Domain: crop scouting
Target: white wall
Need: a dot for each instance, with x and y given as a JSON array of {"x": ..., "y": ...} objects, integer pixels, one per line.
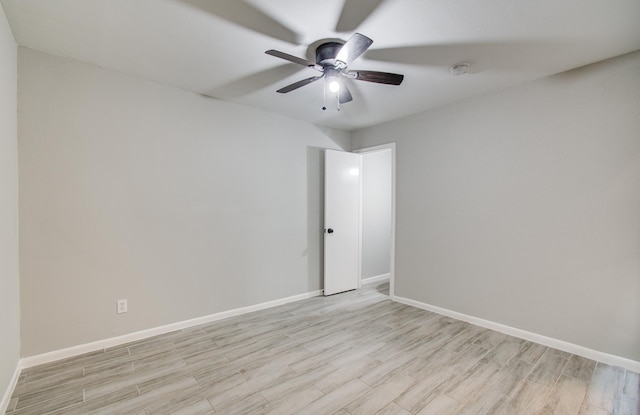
[
  {"x": 184, "y": 205},
  {"x": 9, "y": 282},
  {"x": 523, "y": 206},
  {"x": 376, "y": 214}
]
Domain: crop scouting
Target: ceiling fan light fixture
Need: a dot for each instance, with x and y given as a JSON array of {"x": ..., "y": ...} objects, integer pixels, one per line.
[{"x": 333, "y": 60}]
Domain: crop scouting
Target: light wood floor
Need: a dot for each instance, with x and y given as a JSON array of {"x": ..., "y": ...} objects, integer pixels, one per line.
[{"x": 352, "y": 353}]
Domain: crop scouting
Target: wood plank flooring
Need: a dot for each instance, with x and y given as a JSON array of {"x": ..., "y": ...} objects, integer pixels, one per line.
[{"x": 349, "y": 354}]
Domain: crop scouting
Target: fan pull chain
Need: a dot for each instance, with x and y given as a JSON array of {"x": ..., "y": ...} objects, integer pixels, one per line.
[
  {"x": 339, "y": 107},
  {"x": 324, "y": 95}
]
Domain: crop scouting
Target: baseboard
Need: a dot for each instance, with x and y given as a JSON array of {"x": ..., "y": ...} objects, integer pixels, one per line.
[
  {"x": 139, "y": 335},
  {"x": 596, "y": 355},
  {"x": 377, "y": 278},
  {"x": 4, "y": 403}
]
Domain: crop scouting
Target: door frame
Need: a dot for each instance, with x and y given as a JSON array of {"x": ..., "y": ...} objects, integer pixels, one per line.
[{"x": 392, "y": 254}]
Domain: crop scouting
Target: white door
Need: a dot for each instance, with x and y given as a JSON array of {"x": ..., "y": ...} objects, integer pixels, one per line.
[{"x": 341, "y": 221}]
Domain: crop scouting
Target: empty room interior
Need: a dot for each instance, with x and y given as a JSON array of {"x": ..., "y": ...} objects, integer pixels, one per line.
[{"x": 320, "y": 207}]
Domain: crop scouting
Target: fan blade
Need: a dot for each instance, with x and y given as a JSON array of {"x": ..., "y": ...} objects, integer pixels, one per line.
[
  {"x": 354, "y": 12},
  {"x": 294, "y": 59},
  {"x": 378, "y": 77},
  {"x": 298, "y": 84},
  {"x": 250, "y": 17},
  {"x": 344, "y": 95},
  {"x": 352, "y": 49}
]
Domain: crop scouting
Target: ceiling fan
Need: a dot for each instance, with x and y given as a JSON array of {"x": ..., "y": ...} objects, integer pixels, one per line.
[{"x": 332, "y": 61}]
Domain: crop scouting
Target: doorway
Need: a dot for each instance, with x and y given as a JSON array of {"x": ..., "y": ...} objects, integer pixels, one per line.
[{"x": 377, "y": 218}]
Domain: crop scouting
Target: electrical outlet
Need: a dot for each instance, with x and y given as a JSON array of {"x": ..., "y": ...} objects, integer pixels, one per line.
[{"x": 121, "y": 306}]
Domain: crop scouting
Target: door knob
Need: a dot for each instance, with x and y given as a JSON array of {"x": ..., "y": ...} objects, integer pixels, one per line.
[{"x": 329, "y": 230}]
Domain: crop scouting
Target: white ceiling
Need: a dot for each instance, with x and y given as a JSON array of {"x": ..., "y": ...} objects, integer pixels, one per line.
[{"x": 216, "y": 47}]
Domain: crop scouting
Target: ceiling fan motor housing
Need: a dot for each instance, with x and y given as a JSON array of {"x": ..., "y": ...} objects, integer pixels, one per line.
[{"x": 327, "y": 52}]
